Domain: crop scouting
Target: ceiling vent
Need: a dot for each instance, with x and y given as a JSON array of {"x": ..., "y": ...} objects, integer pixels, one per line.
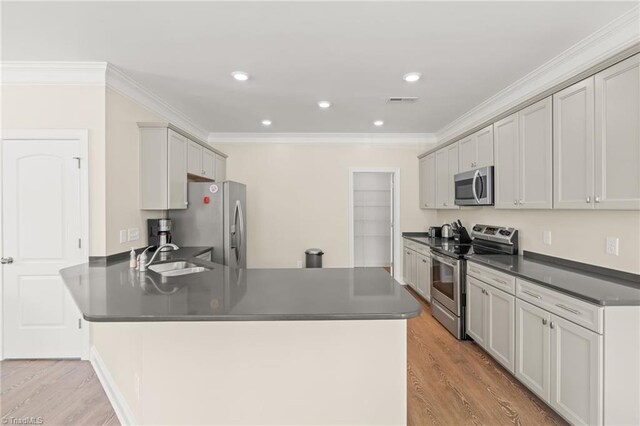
[{"x": 401, "y": 100}]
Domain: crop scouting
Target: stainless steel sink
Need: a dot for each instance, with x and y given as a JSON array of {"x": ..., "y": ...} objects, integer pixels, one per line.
[{"x": 174, "y": 269}]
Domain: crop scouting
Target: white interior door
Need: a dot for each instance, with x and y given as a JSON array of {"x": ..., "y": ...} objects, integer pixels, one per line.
[{"x": 41, "y": 229}]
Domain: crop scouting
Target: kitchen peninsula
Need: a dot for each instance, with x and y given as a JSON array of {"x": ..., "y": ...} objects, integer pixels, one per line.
[{"x": 247, "y": 346}]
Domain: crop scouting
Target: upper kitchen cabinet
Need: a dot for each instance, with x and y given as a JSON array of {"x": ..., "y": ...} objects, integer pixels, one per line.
[
  {"x": 573, "y": 132},
  {"x": 168, "y": 158},
  {"x": 427, "y": 184},
  {"x": 446, "y": 167},
  {"x": 523, "y": 153},
  {"x": 221, "y": 168},
  {"x": 163, "y": 169},
  {"x": 617, "y": 136},
  {"x": 597, "y": 140},
  {"x": 476, "y": 150}
]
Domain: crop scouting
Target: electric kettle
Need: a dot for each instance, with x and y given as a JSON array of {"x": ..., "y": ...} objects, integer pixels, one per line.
[{"x": 447, "y": 231}]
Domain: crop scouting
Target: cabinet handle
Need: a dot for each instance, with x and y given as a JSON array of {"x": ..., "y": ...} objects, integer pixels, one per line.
[
  {"x": 566, "y": 308},
  {"x": 444, "y": 204},
  {"x": 552, "y": 325},
  {"x": 500, "y": 281},
  {"x": 515, "y": 202},
  {"x": 520, "y": 202},
  {"x": 482, "y": 290},
  {"x": 544, "y": 321},
  {"x": 531, "y": 294},
  {"x": 588, "y": 199},
  {"x": 424, "y": 261},
  {"x": 597, "y": 199}
]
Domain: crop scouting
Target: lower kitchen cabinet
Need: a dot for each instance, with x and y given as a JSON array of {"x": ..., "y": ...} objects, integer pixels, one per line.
[
  {"x": 561, "y": 362},
  {"x": 533, "y": 340},
  {"x": 423, "y": 276},
  {"x": 409, "y": 266},
  {"x": 491, "y": 319},
  {"x": 576, "y": 372}
]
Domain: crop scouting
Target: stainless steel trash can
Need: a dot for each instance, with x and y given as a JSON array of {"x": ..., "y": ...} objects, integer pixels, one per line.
[{"x": 313, "y": 258}]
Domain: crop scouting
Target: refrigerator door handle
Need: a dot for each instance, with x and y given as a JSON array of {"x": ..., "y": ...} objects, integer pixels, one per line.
[{"x": 237, "y": 231}]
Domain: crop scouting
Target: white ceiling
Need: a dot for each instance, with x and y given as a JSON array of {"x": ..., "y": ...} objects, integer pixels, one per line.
[{"x": 351, "y": 53}]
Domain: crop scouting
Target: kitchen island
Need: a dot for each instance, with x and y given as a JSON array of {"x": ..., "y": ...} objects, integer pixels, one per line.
[{"x": 247, "y": 346}]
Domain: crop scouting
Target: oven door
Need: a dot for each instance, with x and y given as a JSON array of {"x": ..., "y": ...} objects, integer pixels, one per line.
[
  {"x": 474, "y": 188},
  {"x": 445, "y": 282}
]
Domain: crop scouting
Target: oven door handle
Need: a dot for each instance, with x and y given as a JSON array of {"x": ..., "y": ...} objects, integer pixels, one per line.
[
  {"x": 443, "y": 260},
  {"x": 476, "y": 175}
]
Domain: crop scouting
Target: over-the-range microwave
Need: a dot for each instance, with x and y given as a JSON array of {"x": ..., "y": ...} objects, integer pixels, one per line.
[{"x": 475, "y": 187}]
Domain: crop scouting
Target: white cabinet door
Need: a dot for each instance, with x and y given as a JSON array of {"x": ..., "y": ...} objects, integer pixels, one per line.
[
  {"x": 535, "y": 150},
  {"x": 484, "y": 147},
  {"x": 452, "y": 170},
  {"x": 573, "y": 133},
  {"x": 500, "y": 326},
  {"x": 194, "y": 158},
  {"x": 413, "y": 270},
  {"x": 576, "y": 372},
  {"x": 617, "y": 136},
  {"x": 430, "y": 182},
  {"x": 442, "y": 178},
  {"x": 506, "y": 151},
  {"x": 468, "y": 153},
  {"x": 208, "y": 164},
  {"x": 221, "y": 168},
  {"x": 423, "y": 285},
  {"x": 406, "y": 265},
  {"x": 422, "y": 182},
  {"x": 476, "y": 310},
  {"x": 177, "y": 171},
  {"x": 533, "y": 350}
]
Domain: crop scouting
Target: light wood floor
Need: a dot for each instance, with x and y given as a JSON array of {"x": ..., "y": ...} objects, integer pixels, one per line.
[
  {"x": 61, "y": 392},
  {"x": 450, "y": 382}
]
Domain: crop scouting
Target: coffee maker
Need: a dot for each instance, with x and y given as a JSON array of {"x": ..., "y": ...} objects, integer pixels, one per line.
[{"x": 159, "y": 231}]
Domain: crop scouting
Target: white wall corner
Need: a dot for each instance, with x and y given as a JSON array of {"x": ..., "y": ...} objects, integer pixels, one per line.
[
  {"x": 117, "y": 80},
  {"x": 378, "y": 139},
  {"x": 116, "y": 398},
  {"x": 615, "y": 37},
  {"x": 23, "y": 73}
]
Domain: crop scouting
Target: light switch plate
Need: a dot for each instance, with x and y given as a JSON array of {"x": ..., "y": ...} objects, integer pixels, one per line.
[
  {"x": 613, "y": 246},
  {"x": 134, "y": 234},
  {"x": 123, "y": 236},
  {"x": 546, "y": 237}
]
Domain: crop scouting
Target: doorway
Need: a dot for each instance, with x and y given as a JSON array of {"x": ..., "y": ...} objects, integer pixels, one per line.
[
  {"x": 44, "y": 229},
  {"x": 373, "y": 220}
]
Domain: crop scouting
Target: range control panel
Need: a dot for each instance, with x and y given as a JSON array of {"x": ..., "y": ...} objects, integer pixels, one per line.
[{"x": 495, "y": 233}]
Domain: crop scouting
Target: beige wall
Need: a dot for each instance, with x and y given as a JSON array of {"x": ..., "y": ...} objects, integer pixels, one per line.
[
  {"x": 298, "y": 196},
  {"x": 575, "y": 234},
  {"x": 122, "y": 171},
  {"x": 66, "y": 107}
]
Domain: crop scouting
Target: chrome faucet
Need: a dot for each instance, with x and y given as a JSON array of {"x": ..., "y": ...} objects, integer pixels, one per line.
[{"x": 142, "y": 257}]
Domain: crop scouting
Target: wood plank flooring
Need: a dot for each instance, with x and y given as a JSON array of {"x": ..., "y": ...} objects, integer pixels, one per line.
[
  {"x": 60, "y": 392},
  {"x": 452, "y": 382}
]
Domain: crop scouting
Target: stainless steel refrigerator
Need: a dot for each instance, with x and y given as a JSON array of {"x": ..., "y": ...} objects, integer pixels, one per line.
[{"x": 215, "y": 217}]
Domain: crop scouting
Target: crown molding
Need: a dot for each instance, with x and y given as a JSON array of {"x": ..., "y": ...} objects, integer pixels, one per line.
[
  {"x": 117, "y": 80},
  {"x": 23, "y": 73},
  {"x": 386, "y": 139},
  {"x": 619, "y": 35}
]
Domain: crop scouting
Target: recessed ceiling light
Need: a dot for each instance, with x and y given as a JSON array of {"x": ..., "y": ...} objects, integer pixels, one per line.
[
  {"x": 378, "y": 123},
  {"x": 266, "y": 122},
  {"x": 324, "y": 104},
  {"x": 412, "y": 77},
  {"x": 240, "y": 75}
]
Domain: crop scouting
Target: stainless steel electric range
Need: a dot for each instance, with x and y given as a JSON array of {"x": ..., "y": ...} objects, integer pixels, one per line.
[{"x": 448, "y": 272}]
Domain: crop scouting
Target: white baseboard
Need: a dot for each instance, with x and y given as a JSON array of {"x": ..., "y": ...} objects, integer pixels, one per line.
[{"x": 118, "y": 402}]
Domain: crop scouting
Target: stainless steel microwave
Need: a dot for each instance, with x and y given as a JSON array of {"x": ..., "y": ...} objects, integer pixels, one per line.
[{"x": 475, "y": 187}]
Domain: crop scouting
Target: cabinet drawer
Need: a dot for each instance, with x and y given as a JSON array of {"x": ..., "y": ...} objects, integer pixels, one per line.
[
  {"x": 423, "y": 250},
  {"x": 411, "y": 245},
  {"x": 582, "y": 313},
  {"x": 497, "y": 279}
]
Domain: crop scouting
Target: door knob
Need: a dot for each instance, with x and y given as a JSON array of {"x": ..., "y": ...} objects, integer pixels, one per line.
[{"x": 6, "y": 260}]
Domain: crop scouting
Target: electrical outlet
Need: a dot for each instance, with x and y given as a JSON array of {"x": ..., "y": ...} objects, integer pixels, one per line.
[
  {"x": 613, "y": 246},
  {"x": 123, "y": 236},
  {"x": 299, "y": 263},
  {"x": 134, "y": 234},
  {"x": 546, "y": 237},
  {"x": 136, "y": 380}
]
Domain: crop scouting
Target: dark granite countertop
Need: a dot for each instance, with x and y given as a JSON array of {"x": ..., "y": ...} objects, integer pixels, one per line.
[
  {"x": 588, "y": 285},
  {"x": 585, "y": 285},
  {"x": 116, "y": 293}
]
